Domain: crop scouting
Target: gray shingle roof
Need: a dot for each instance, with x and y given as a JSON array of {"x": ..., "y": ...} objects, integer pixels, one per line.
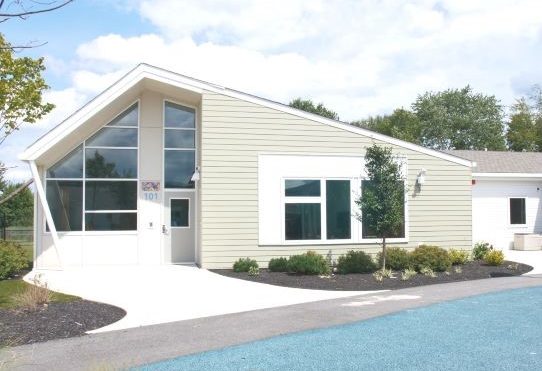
[{"x": 502, "y": 162}]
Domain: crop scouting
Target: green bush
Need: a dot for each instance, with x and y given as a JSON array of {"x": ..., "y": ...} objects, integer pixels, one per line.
[
  {"x": 396, "y": 259},
  {"x": 480, "y": 249},
  {"x": 356, "y": 262},
  {"x": 458, "y": 257},
  {"x": 244, "y": 265},
  {"x": 278, "y": 265},
  {"x": 308, "y": 263},
  {"x": 433, "y": 257},
  {"x": 494, "y": 257},
  {"x": 12, "y": 259}
]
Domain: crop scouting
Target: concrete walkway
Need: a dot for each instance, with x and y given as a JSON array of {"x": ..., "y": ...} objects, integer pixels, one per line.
[
  {"x": 126, "y": 348},
  {"x": 532, "y": 258},
  {"x": 169, "y": 293}
]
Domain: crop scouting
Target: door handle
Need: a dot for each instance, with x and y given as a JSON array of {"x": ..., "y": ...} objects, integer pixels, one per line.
[{"x": 164, "y": 229}]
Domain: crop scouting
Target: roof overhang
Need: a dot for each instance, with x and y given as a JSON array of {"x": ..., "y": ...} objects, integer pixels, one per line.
[
  {"x": 145, "y": 71},
  {"x": 508, "y": 176}
]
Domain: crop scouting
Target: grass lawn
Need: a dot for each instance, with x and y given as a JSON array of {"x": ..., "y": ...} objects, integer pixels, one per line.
[{"x": 8, "y": 288}]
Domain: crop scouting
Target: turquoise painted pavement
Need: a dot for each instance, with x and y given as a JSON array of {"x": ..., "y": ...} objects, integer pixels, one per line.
[{"x": 501, "y": 331}]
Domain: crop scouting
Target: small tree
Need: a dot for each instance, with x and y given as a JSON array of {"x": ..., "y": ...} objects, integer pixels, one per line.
[{"x": 382, "y": 198}]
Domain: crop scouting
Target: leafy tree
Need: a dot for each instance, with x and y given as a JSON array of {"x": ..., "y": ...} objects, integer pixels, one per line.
[
  {"x": 308, "y": 106},
  {"x": 382, "y": 202},
  {"x": 525, "y": 125},
  {"x": 402, "y": 124},
  {"x": 19, "y": 210},
  {"x": 460, "y": 119},
  {"x": 21, "y": 89}
]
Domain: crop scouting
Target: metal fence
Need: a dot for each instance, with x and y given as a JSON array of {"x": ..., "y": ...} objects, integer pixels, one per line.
[{"x": 19, "y": 234}]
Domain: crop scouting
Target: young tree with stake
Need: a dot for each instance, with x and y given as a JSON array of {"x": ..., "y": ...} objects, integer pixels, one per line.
[{"x": 382, "y": 199}]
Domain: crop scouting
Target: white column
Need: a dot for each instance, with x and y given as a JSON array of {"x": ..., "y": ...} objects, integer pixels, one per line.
[{"x": 48, "y": 216}]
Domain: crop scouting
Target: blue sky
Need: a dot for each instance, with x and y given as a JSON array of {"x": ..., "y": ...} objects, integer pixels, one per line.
[{"x": 359, "y": 57}]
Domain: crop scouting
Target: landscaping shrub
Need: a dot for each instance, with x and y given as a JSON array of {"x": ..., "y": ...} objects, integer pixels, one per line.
[
  {"x": 254, "y": 271},
  {"x": 12, "y": 259},
  {"x": 408, "y": 273},
  {"x": 33, "y": 296},
  {"x": 426, "y": 271},
  {"x": 494, "y": 257},
  {"x": 433, "y": 257},
  {"x": 308, "y": 263},
  {"x": 458, "y": 256},
  {"x": 356, "y": 262},
  {"x": 396, "y": 258},
  {"x": 480, "y": 249},
  {"x": 244, "y": 265},
  {"x": 278, "y": 265}
]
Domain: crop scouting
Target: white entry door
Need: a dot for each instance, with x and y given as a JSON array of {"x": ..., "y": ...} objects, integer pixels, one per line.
[{"x": 179, "y": 227}]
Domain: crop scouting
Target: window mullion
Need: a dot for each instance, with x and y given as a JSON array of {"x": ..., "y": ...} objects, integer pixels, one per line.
[{"x": 323, "y": 209}]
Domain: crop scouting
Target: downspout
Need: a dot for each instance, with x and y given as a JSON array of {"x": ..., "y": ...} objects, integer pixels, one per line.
[{"x": 46, "y": 210}]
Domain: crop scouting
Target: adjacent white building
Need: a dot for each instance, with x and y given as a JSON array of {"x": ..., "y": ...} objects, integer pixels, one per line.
[{"x": 506, "y": 195}]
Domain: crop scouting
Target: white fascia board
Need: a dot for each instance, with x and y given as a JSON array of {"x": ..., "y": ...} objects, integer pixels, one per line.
[
  {"x": 158, "y": 74},
  {"x": 508, "y": 175}
]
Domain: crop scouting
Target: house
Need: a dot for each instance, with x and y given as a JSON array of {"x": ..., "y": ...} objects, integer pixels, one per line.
[
  {"x": 161, "y": 168},
  {"x": 506, "y": 195}
]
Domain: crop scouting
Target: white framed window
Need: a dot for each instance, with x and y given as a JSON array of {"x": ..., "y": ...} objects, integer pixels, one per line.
[
  {"x": 94, "y": 187},
  {"x": 517, "y": 211}
]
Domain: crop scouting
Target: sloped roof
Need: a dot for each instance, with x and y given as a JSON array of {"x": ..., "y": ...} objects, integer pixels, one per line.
[
  {"x": 503, "y": 162},
  {"x": 146, "y": 71}
]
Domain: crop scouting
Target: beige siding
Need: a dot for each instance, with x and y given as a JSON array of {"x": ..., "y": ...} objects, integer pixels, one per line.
[{"x": 234, "y": 132}]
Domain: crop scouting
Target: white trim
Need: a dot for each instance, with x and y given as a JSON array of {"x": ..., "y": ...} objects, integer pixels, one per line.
[
  {"x": 507, "y": 175},
  {"x": 45, "y": 206},
  {"x": 145, "y": 71}
]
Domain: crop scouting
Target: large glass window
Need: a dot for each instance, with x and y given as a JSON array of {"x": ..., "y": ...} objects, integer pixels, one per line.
[
  {"x": 109, "y": 203},
  {"x": 338, "y": 218},
  {"x": 303, "y": 209},
  {"x": 368, "y": 231},
  {"x": 517, "y": 211}
]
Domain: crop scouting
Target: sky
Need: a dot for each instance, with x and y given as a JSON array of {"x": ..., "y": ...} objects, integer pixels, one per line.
[{"x": 358, "y": 57}]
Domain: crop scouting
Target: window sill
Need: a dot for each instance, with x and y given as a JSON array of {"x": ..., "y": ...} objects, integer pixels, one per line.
[{"x": 334, "y": 242}]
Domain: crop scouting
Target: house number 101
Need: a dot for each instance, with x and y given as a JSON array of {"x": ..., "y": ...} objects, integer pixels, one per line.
[{"x": 151, "y": 196}]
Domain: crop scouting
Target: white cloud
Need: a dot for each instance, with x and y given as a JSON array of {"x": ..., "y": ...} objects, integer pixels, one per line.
[{"x": 358, "y": 57}]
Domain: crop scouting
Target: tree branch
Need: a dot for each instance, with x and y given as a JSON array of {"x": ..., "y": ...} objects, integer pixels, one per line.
[
  {"x": 17, "y": 191},
  {"x": 31, "y": 12}
]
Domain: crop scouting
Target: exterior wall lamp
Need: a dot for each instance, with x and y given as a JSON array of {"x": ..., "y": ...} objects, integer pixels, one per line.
[
  {"x": 420, "y": 179},
  {"x": 195, "y": 176}
]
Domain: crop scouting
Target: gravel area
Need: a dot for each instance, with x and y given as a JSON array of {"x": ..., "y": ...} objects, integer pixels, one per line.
[
  {"x": 363, "y": 282},
  {"x": 55, "y": 321}
]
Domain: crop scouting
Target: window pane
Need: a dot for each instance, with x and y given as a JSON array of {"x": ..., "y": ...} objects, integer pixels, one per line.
[
  {"x": 176, "y": 116},
  {"x": 111, "y": 163},
  {"x": 179, "y": 168},
  {"x": 300, "y": 187},
  {"x": 127, "y": 118},
  {"x": 179, "y": 212},
  {"x": 368, "y": 231},
  {"x": 111, "y": 195},
  {"x": 71, "y": 166},
  {"x": 517, "y": 211},
  {"x": 338, "y": 209},
  {"x": 65, "y": 199},
  {"x": 303, "y": 222},
  {"x": 180, "y": 138},
  {"x": 113, "y": 137},
  {"x": 111, "y": 221}
]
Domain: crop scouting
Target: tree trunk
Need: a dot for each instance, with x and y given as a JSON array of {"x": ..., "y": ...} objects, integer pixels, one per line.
[{"x": 383, "y": 253}]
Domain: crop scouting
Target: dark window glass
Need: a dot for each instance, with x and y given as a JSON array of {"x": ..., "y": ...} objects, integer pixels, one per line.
[
  {"x": 111, "y": 163},
  {"x": 338, "y": 209},
  {"x": 113, "y": 137},
  {"x": 111, "y": 221},
  {"x": 301, "y": 187},
  {"x": 367, "y": 230},
  {"x": 303, "y": 222},
  {"x": 176, "y": 116},
  {"x": 179, "y": 168},
  {"x": 517, "y": 211},
  {"x": 179, "y": 212},
  {"x": 180, "y": 138},
  {"x": 71, "y": 166},
  {"x": 127, "y": 118},
  {"x": 110, "y": 195},
  {"x": 65, "y": 199}
]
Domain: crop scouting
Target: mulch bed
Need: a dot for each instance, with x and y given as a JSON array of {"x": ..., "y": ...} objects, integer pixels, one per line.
[
  {"x": 362, "y": 282},
  {"x": 55, "y": 321}
]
